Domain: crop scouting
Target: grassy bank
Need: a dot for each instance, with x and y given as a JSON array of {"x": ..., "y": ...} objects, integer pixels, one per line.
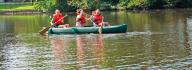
[{"x": 16, "y": 6}]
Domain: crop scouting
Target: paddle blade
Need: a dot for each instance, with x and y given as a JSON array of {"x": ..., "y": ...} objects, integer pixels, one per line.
[
  {"x": 100, "y": 30},
  {"x": 44, "y": 30}
]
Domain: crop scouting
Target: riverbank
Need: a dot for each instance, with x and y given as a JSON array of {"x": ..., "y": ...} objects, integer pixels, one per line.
[
  {"x": 23, "y": 12},
  {"x": 64, "y": 5},
  {"x": 12, "y": 12},
  {"x": 29, "y": 8},
  {"x": 18, "y": 8}
]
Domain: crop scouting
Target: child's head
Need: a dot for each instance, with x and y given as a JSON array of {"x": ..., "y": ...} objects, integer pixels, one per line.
[
  {"x": 57, "y": 11},
  {"x": 81, "y": 11},
  {"x": 78, "y": 11},
  {"x": 97, "y": 11}
]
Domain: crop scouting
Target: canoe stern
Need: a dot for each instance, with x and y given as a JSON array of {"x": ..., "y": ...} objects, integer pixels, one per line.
[{"x": 115, "y": 29}]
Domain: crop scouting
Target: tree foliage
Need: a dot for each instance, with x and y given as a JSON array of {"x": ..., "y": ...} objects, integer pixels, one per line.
[{"x": 69, "y": 5}]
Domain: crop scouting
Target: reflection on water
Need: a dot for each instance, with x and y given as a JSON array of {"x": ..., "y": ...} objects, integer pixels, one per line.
[
  {"x": 155, "y": 40},
  {"x": 80, "y": 43},
  {"x": 58, "y": 52},
  {"x": 92, "y": 46}
]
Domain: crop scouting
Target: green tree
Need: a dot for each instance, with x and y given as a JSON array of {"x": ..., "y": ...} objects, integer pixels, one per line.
[
  {"x": 84, "y": 4},
  {"x": 51, "y": 5},
  {"x": 44, "y": 5},
  {"x": 123, "y": 4},
  {"x": 71, "y": 5},
  {"x": 182, "y": 3},
  {"x": 153, "y": 4}
]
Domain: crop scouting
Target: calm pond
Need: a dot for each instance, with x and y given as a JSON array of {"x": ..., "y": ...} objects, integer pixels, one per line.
[{"x": 159, "y": 39}]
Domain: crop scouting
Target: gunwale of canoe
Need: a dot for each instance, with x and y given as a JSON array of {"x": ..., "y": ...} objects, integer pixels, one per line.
[{"x": 121, "y": 28}]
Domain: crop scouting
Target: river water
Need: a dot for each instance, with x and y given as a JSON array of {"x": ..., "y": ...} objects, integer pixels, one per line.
[{"x": 157, "y": 39}]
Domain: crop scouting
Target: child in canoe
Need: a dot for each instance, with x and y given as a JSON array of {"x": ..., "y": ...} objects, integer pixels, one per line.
[
  {"x": 57, "y": 20},
  {"x": 81, "y": 18},
  {"x": 98, "y": 19}
]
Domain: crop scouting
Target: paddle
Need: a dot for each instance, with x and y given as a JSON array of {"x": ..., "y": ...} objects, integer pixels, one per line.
[
  {"x": 100, "y": 28},
  {"x": 44, "y": 30}
]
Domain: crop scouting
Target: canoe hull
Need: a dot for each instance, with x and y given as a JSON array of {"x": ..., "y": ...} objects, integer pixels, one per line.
[{"x": 122, "y": 28}]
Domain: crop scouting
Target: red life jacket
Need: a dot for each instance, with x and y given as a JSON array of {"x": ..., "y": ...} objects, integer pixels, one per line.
[
  {"x": 57, "y": 19},
  {"x": 97, "y": 19},
  {"x": 82, "y": 19}
]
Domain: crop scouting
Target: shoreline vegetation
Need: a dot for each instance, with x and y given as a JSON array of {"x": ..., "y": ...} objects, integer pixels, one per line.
[
  {"x": 48, "y": 6},
  {"x": 18, "y": 8},
  {"x": 72, "y": 5}
]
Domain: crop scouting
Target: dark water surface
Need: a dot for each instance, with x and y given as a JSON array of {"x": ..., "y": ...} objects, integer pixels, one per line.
[{"x": 155, "y": 40}]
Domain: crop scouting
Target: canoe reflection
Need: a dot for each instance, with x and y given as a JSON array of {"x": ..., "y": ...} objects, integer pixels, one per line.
[
  {"x": 96, "y": 46},
  {"x": 80, "y": 43},
  {"x": 58, "y": 46},
  {"x": 88, "y": 51},
  {"x": 98, "y": 49}
]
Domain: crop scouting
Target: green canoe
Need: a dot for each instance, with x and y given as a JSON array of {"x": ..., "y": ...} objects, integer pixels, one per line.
[{"x": 121, "y": 28}]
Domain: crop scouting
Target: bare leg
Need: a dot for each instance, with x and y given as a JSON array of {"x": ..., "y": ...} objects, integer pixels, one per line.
[
  {"x": 106, "y": 24},
  {"x": 63, "y": 26},
  {"x": 66, "y": 25},
  {"x": 100, "y": 30},
  {"x": 78, "y": 24},
  {"x": 60, "y": 26}
]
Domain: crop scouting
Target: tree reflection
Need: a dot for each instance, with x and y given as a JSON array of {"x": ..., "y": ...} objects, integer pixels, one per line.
[{"x": 186, "y": 35}]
